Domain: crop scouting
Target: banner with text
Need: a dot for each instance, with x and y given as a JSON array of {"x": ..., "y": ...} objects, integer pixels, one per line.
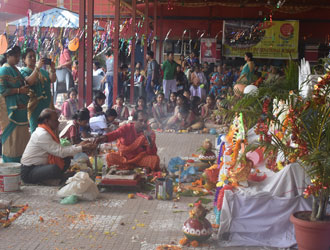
[{"x": 267, "y": 39}]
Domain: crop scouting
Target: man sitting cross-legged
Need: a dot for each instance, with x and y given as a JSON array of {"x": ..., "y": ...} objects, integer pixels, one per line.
[
  {"x": 44, "y": 160},
  {"x": 136, "y": 145}
]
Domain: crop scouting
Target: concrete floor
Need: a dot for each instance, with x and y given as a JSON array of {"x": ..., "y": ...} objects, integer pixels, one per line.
[{"x": 111, "y": 222}]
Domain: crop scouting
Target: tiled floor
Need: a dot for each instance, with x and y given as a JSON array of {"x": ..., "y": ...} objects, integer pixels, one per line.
[{"x": 111, "y": 222}]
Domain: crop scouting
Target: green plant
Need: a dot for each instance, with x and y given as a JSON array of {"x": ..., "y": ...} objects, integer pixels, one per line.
[{"x": 304, "y": 137}]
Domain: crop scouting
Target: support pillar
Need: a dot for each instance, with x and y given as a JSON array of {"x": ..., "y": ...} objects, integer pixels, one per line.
[
  {"x": 146, "y": 32},
  {"x": 161, "y": 35},
  {"x": 116, "y": 50},
  {"x": 155, "y": 27},
  {"x": 81, "y": 54},
  {"x": 89, "y": 54},
  {"x": 133, "y": 51}
]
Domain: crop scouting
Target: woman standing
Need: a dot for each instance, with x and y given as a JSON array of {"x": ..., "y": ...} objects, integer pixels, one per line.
[
  {"x": 247, "y": 71},
  {"x": 13, "y": 108},
  {"x": 39, "y": 80}
]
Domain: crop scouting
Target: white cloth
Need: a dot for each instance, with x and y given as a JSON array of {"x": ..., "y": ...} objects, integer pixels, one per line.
[
  {"x": 66, "y": 128},
  {"x": 41, "y": 144},
  {"x": 98, "y": 123},
  {"x": 169, "y": 86},
  {"x": 259, "y": 214}
]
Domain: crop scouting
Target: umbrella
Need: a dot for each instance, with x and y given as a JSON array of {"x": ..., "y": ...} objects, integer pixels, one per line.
[{"x": 55, "y": 17}]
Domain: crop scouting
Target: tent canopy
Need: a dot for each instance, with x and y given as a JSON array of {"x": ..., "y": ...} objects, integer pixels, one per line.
[{"x": 55, "y": 17}]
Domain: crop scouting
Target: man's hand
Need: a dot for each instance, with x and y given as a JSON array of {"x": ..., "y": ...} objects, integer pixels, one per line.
[
  {"x": 101, "y": 139},
  {"x": 89, "y": 147}
]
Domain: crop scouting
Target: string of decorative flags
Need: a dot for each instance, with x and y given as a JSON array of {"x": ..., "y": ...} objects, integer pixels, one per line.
[{"x": 45, "y": 40}]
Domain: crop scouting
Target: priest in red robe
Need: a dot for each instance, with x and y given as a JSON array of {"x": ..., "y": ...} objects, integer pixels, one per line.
[{"x": 136, "y": 145}]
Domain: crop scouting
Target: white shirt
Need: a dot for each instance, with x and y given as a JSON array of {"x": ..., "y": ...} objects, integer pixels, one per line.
[{"x": 41, "y": 144}]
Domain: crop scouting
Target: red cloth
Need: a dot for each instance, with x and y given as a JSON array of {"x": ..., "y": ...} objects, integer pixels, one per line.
[
  {"x": 126, "y": 135},
  {"x": 65, "y": 57}
]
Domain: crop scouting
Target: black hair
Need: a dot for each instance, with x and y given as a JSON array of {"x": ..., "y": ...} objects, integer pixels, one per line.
[
  {"x": 10, "y": 52},
  {"x": 120, "y": 97},
  {"x": 144, "y": 101},
  {"x": 111, "y": 112},
  {"x": 70, "y": 91},
  {"x": 150, "y": 53},
  {"x": 109, "y": 52},
  {"x": 249, "y": 55},
  {"x": 169, "y": 53},
  {"x": 174, "y": 93},
  {"x": 184, "y": 110},
  {"x": 187, "y": 90},
  {"x": 13, "y": 51},
  {"x": 211, "y": 96},
  {"x": 99, "y": 95},
  {"x": 97, "y": 64},
  {"x": 27, "y": 51},
  {"x": 82, "y": 115},
  {"x": 136, "y": 114},
  {"x": 124, "y": 66},
  {"x": 195, "y": 101},
  {"x": 160, "y": 93}
]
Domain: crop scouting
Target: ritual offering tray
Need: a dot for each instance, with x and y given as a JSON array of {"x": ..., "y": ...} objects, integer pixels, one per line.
[{"x": 124, "y": 178}]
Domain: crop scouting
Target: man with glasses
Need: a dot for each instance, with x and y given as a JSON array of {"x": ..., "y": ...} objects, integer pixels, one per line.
[{"x": 136, "y": 145}]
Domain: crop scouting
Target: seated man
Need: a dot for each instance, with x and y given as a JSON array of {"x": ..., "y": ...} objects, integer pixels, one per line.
[
  {"x": 136, "y": 144},
  {"x": 42, "y": 160}
]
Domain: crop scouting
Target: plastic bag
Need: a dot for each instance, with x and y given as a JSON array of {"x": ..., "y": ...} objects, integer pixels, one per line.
[
  {"x": 80, "y": 185},
  {"x": 65, "y": 142},
  {"x": 70, "y": 200},
  {"x": 174, "y": 164}
]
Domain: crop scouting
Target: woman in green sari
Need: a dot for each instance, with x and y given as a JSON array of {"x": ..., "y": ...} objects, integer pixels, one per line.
[
  {"x": 13, "y": 108},
  {"x": 39, "y": 81}
]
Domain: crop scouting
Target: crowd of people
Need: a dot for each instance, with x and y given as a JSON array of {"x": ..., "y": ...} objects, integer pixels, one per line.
[{"x": 172, "y": 96}]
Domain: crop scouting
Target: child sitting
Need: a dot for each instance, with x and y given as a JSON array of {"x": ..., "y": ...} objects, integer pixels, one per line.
[
  {"x": 171, "y": 103},
  {"x": 220, "y": 115},
  {"x": 141, "y": 104},
  {"x": 111, "y": 115},
  {"x": 72, "y": 130},
  {"x": 159, "y": 111},
  {"x": 103, "y": 123},
  {"x": 217, "y": 88},
  {"x": 195, "y": 105},
  {"x": 121, "y": 109},
  {"x": 96, "y": 106},
  {"x": 185, "y": 120},
  {"x": 207, "y": 108}
]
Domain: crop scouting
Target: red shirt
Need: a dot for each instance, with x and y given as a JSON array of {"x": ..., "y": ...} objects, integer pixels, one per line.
[{"x": 126, "y": 135}]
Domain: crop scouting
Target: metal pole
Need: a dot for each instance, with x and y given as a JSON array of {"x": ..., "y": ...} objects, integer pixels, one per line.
[
  {"x": 89, "y": 55},
  {"x": 155, "y": 27},
  {"x": 133, "y": 51},
  {"x": 115, "y": 50},
  {"x": 81, "y": 54},
  {"x": 146, "y": 31}
]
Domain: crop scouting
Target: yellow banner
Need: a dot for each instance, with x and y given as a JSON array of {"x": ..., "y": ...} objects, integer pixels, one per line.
[{"x": 276, "y": 39}]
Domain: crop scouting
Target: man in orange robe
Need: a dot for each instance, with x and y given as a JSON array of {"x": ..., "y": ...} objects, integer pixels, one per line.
[{"x": 136, "y": 145}]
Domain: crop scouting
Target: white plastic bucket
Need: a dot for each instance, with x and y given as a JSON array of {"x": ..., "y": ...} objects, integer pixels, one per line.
[{"x": 10, "y": 177}]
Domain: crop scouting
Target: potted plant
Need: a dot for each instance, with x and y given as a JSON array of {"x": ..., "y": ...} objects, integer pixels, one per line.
[{"x": 304, "y": 137}]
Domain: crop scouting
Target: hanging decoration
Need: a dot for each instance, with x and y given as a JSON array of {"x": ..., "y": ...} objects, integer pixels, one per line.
[{"x": 168, "y": 33}]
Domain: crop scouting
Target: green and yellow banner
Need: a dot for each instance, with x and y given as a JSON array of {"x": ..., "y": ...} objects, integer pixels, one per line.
[{"x": 267, "y": 39}]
